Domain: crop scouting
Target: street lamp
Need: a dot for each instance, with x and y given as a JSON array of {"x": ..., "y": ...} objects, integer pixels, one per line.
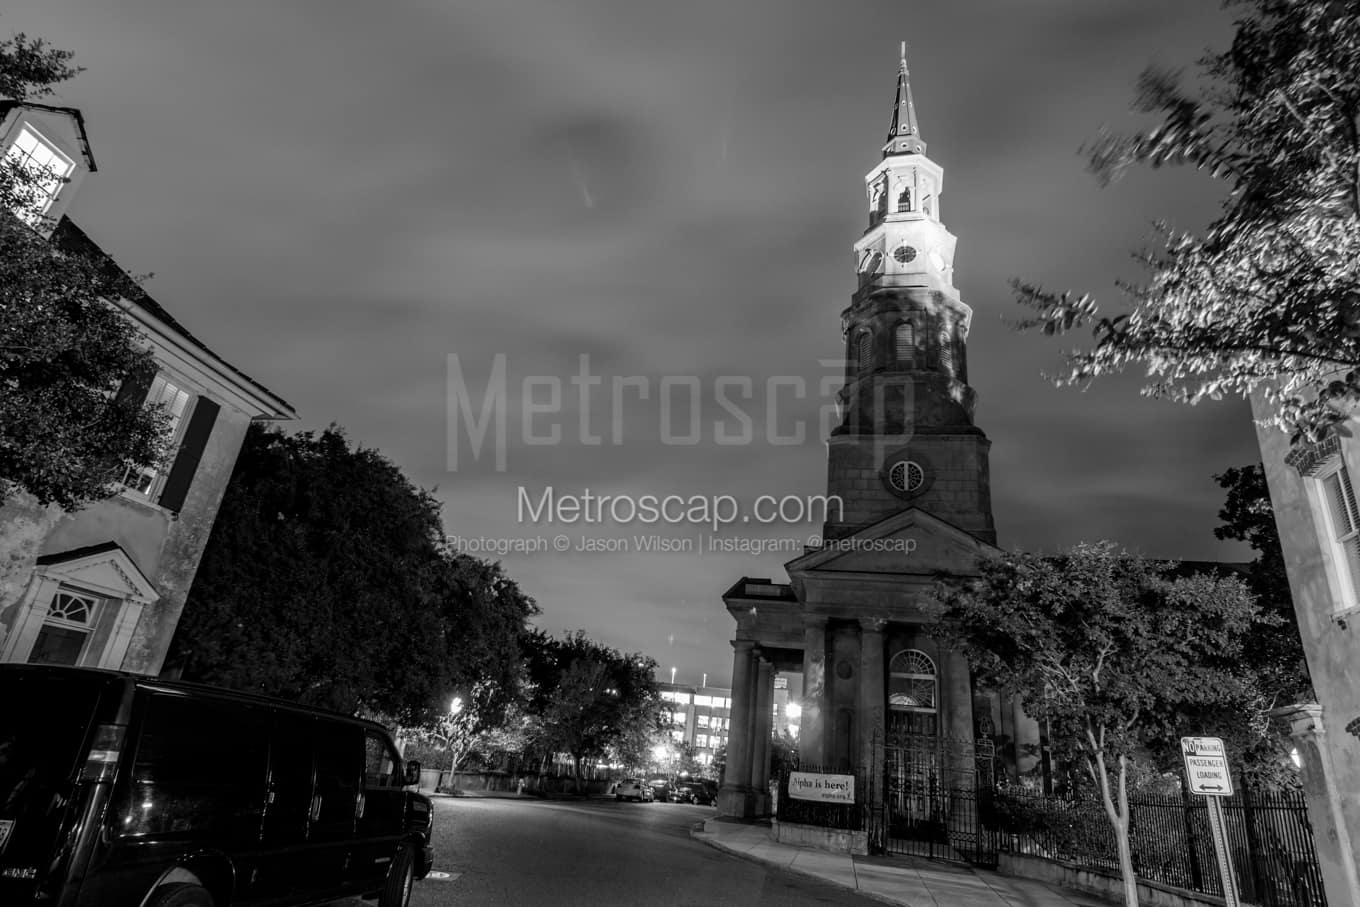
[{"x": 454, "y": 708}]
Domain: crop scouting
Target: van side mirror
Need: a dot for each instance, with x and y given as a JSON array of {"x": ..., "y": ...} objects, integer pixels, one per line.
[{"x": 413, "y": 772}]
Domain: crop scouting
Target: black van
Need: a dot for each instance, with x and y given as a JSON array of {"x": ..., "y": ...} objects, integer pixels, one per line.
[{"x": 117, "y": 789}]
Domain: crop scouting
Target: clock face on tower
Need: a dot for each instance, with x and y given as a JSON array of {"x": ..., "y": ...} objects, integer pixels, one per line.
[{"x": 904, "y": 254}]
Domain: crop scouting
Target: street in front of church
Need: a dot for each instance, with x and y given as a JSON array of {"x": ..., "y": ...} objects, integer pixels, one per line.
[{"x": 523, "y": 851}]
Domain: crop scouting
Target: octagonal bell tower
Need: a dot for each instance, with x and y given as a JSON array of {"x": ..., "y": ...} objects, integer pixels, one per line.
[{"x": 906, "y": 436}]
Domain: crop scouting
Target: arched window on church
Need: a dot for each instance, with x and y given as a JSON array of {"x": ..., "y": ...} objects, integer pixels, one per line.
[
  {"x": 865, "y": 349},
  {"x": 947, "y": 351},
  {"x": 905, "y": 344},
  {"x": 904, "y": 200},
  {"x": 912, "y": 682}
]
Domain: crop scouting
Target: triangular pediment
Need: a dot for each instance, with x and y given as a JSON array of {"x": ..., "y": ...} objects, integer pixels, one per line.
[
  {"x": 103, "y": 569},
  {"x": 910, "y": 542}
]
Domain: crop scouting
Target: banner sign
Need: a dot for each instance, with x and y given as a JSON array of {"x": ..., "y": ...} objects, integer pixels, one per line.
[{"x": 822, "y": 788}]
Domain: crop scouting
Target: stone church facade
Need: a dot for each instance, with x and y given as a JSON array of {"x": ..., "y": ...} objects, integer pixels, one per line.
[{"x": 910, "y": 467}]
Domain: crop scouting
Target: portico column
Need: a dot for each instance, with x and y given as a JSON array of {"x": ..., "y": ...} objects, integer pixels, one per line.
[
  {"x": 734, "y": 799},
  {"x": 1323, "y": 797},
  {"x": 872, "y": 699},
  {"x": 761, "y": 726},
  {"x": 812, "y": 731}
]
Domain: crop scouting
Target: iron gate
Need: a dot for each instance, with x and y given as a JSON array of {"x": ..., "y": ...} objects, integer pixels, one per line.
[{"x": 936, "y": 793}]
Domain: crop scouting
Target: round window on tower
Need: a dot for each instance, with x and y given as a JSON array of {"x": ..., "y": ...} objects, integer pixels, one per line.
[
  {"x": 906, "y": 477},
  {"x": 904, "y": 254}
]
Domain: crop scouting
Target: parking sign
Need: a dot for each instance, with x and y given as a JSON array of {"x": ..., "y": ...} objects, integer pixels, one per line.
[{"x": 1206, "y": 766}]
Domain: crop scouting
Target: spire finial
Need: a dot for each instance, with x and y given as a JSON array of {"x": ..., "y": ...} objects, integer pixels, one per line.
[{"x": 904, "y": 137}]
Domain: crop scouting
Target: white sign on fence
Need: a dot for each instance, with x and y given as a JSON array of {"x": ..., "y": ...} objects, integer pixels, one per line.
[
  {"x": 823, "y": 788},
  {"x": 1206, "y": 766}
]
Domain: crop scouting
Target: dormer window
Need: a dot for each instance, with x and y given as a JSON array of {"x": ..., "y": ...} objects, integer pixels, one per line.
[{"x": 47, "y": 169}]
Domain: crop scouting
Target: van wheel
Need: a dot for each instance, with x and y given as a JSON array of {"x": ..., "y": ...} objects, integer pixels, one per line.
[
  {"x": 181, "y": 895},
  {"x": 400, "y": 876}
]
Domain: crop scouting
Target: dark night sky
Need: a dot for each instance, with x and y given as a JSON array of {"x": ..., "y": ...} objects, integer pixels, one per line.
[{"x": 337, "y": 196}]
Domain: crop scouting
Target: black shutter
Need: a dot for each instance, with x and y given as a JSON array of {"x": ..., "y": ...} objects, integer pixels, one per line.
[
  {"x": 190, "y": 452},
  {"x": 135, "y": 387}
]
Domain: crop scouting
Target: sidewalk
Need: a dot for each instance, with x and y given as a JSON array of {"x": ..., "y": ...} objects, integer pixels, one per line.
[{"x": 893, "y": 880}]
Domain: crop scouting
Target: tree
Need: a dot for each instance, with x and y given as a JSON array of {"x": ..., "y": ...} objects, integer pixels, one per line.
[
  {"x": 66, "y": 436},
  {"x": 1273, "y": 648},
  {"x": 1267, "y": 298},
  {"x": 1116, "y": 656},
  {"x": 327, "y": 580},
  {"x": 1277, "y": 652},
  {"x": 590, "y": 698}
]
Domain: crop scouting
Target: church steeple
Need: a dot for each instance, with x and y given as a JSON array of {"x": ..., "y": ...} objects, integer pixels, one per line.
[
  {"x": 907, "y": 437},
  {"x": 904, "y": 135}
]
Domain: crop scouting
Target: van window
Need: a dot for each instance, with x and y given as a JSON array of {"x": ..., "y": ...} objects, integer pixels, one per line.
[
  {"x": 199, "y": 769},
  {"x": 382, "y": 768},
  {"x": 338, "y": 753},
  {"x": 43, "y": 726}
]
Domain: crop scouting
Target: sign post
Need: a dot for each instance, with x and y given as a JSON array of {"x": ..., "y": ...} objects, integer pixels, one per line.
[{"x": 1206, "y": 769}]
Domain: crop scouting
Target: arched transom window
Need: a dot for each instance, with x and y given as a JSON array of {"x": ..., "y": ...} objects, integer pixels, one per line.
[{"x": 912, "y": 683}]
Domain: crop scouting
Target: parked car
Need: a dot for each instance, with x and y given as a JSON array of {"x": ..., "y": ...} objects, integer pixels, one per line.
[
  {"x": 633, "y": 789},
  {"x": 692, "y": 792},
  {"x": 122, "y": 789},
  {"x": 661, "y": 789}
]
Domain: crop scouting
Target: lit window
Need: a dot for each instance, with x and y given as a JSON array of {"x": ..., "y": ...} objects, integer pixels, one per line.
[
  {"x": 701, "y": 740},
  {"x": 66, "y": 629},
  {"x": 46, "y": 167},
  {"x": 677, "y": 735},
  {"x": 1344, "y": 520},
  {"x": 702, "y": 721},
  {"x": 703, "y": 700},
  {"x": 678, "y": 717},
  {"x": 174, "y": 401}
]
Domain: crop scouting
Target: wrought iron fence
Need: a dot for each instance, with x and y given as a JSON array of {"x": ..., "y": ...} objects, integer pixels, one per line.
[
  {"x": 840, "y": 816},
  {"x": 1268, "y": 835}
]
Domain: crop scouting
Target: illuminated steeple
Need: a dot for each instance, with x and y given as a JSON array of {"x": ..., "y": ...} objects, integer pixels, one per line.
[{"x": 904, "y": 136}]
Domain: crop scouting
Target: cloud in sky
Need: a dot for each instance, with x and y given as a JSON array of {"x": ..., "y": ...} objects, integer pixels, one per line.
[{"x": 339, "y": 196}]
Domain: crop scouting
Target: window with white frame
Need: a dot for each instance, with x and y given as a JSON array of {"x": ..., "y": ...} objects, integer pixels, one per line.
[
  {"x": 912, "y": 681},
  {"x": 66, "y": 629},
  {"x": 1343, "y": 520},
  {"x": 701, "y": 720},
  {"x": 47, "y": 170},
  {"x": 147, "y": 480}
]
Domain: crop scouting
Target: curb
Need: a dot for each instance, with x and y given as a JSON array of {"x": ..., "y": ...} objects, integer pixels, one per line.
[{"x": 697, "y": 833}]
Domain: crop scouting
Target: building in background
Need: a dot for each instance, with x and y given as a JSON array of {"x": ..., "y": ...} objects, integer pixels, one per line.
[
  {"x": 699, "y": 717},
  {"x": 104, "y": 586}
]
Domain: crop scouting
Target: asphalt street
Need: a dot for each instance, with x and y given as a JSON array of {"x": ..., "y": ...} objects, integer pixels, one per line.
[{"x": 528, "y": 852}]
